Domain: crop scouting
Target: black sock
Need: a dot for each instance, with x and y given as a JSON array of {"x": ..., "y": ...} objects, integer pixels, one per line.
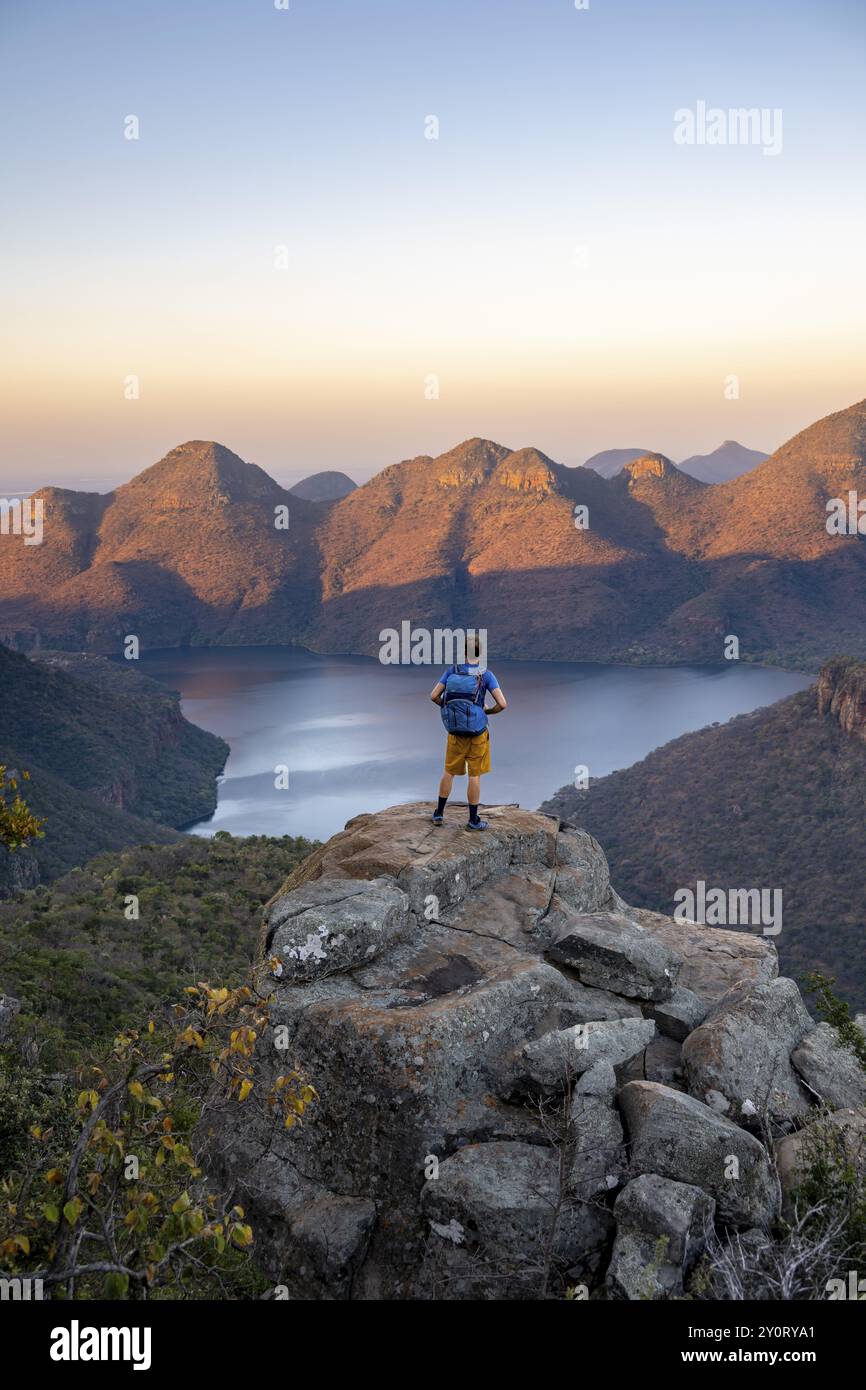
[
  {"x": 441, "y": 807},
  {"x": 473, "y": 812}
]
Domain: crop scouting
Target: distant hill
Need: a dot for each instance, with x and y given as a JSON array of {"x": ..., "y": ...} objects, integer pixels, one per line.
[
  {"x": 193, "y": 551},
  {"x": 729, "y": 461},
  {"x": 82, "y": 970},
  {"x": 771, "y": 799},
  {"x": 610, "y": 461},
  {"x": 324, "y": 487},
  {"x": 112, "y": 760}
]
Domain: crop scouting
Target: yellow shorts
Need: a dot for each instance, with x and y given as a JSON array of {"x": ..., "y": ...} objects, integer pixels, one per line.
[{"x": 470, "y": 755}]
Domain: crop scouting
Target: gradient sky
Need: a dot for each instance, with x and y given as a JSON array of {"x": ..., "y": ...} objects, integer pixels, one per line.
[{"x": 409, "y": 257}]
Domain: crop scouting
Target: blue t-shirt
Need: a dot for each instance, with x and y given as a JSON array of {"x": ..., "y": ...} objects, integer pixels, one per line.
[{"x": 470, "y": 668}]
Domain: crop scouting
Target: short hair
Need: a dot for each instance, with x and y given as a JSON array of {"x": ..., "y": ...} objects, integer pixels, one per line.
[{"x": 472, "y": 646}]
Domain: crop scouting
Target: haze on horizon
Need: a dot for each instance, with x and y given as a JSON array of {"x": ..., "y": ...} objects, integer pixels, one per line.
[{"x": 574, "y": 278}]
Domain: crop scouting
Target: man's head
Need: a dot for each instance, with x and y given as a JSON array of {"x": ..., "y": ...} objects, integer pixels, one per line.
[{"x": 476, "y": 645}]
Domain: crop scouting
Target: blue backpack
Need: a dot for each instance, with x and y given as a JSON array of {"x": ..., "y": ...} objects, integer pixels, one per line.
[{"x": 463, "y": 703}]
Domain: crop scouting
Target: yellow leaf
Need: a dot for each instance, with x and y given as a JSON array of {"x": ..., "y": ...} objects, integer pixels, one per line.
[
  {"x": 246, "y": 1087},
  {"x": 73, "y": 1210}
]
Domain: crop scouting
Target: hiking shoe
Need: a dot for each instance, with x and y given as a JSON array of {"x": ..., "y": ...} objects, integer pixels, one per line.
[
  {"x": 437, "y": 819},
  {"x": 476, "y": 825}
]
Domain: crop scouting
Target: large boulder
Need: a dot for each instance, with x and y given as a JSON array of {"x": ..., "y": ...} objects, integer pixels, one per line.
[
  {"x": 712, "y": 958},
  {"x": 501, "y": 1225},
  {"x": 582, "y": 876},
  {"x": 839, "y": 1137},
  {"x": 333, "y": 925},
  {"x": 678, "y": 1137},
  {"x": 589, "y": 1004},
  {"x": 609, "y": 950},
  {"x": 831, "y": 1071},
  {"x": 660, "y": 1232},
  {"x": 679, "y": 1014},
  {"x": 596, "y": 1150},
  {"x": 551, "y": 1060},
  {"x": 738, "y": 1060}
]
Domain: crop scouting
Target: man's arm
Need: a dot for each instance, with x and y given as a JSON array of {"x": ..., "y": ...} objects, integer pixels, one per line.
[
  {"x": 501, "y": 702},
  {"x": 437, "y": 692}
]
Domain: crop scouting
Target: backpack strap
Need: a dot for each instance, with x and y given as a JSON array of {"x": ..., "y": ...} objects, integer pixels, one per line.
[{"x": 479, "y": 677}]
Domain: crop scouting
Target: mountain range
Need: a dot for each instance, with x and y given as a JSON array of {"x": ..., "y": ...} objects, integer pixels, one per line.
[
  {"x": 729, "y": 461},
  {"x": 204, "y": 548}
]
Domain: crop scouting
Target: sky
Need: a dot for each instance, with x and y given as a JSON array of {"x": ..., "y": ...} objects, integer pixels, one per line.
[{"x": 284, "y": 261}]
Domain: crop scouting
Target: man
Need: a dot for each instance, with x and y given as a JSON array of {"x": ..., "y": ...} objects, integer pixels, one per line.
[{"x": 467, "y": 752}]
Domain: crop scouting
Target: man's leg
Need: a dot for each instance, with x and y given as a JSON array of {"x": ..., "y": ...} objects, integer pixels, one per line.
[
  {"x": 473, "y": 796},
  {"x": 444, "y": 791},
  {"x": 476, "y": 766}
]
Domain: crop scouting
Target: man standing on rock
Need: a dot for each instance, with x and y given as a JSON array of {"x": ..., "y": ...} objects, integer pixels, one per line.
[{"x": 461, "y": 694}]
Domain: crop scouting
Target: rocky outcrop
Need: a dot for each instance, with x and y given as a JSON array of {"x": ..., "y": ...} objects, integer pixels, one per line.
[
  {"x": 18, "y": 870},
  {"x": 9, "y": 1011},
  {"x": 842, "y": 694},
  {"x": 523, "y": 1083}
]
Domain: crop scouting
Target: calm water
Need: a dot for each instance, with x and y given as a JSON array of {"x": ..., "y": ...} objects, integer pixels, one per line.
[{"x": 357, "y": 736}]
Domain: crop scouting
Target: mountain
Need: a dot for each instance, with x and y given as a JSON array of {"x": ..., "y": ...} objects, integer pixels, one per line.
[
  {"x": 112, "y": 761},
  {"x": 188, "y": 551},
  {"x": 609, "y": 462},
  {"x": 324, "y": 487},
  {"x": 729, "y": 461},
  {"x": 204, "y": 548},
  {"x": 771, "y": 799}
]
